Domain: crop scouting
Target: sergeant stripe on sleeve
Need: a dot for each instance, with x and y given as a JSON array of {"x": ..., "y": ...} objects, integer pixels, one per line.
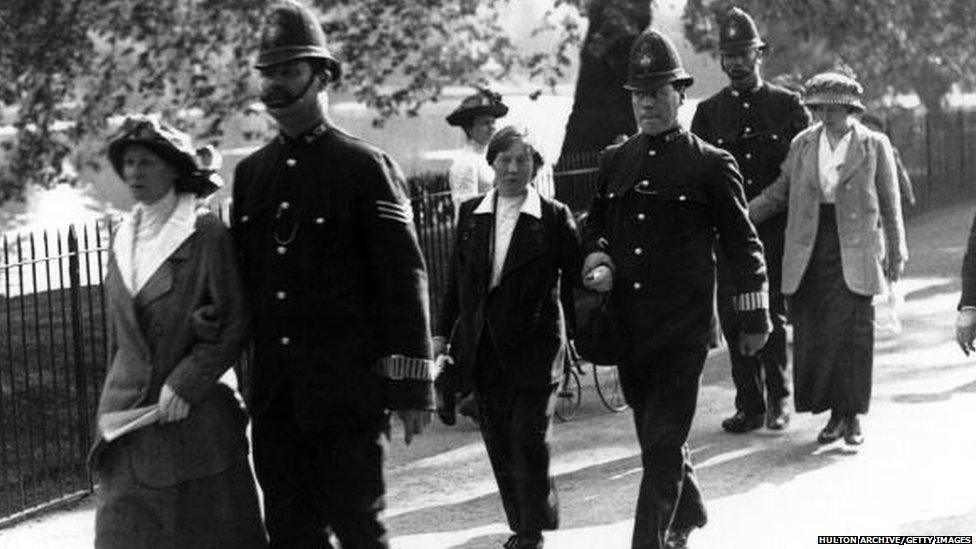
[
  {"x": 397, "y": 367},
  {"x": 752, "y": 301},
  {"x": 394, "y": 211}
]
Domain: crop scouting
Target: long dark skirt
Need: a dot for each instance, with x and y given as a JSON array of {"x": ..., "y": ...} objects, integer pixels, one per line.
[
  {"x": 833, "y": 332},
  {"x": 214, "y": 512}
]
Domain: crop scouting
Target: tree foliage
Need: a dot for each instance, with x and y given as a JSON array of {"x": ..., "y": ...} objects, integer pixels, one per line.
[
  {"x": 892, "y": 45},
  {"x": 67, "y": 66}
]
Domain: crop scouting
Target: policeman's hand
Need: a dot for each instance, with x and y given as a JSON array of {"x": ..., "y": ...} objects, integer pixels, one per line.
[
  {"x": 172, "y": 407},
  {"x": 966, "y": 330},
  {"x": 749, "y": 344},
  {"x": 439, "y": 345},
  {"x": 414, "y": 423},
  {"x": 598, "y": 272}
]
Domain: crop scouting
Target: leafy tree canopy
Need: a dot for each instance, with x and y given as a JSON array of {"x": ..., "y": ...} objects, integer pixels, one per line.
[
  {"x": 67, "y": 66},
  {"x": 893, "y": 45}
]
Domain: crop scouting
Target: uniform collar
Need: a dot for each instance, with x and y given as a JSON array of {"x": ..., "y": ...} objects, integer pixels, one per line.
[
  {"x": 760, "y": 84},
  {"x": 531, "y": 206},
  {"x": 664, "y": 137},
  {"x": 307, "y": 137}
]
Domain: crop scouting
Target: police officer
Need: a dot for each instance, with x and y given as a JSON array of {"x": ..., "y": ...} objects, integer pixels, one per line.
[
  {"x": 755, "y": 121},
  {"x": 338, "y": 296},
  {"x": 662, "y": 196}
]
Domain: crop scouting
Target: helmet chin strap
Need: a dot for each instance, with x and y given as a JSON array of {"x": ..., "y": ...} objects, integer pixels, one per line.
[{"x": 295, "y": 98}]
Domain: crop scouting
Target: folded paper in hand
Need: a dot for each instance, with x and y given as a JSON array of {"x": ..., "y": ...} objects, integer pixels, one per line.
[{"x": 115, "y": 424}]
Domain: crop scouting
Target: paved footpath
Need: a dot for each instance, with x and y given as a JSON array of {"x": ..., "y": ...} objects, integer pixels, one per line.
[{"x": 914, "y": 475}]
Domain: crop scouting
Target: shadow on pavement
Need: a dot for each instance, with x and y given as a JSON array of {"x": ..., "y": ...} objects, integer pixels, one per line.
[{"x": 922, "y": 398}]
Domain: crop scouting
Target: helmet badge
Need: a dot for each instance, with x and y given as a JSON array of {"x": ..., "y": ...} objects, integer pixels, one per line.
[
  {"x": 275, "y": 28},
  {"x": 733, "y": 31}
]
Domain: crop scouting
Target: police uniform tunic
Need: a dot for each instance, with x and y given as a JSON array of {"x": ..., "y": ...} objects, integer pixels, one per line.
[
  {"x": 660, "y": 204},
  {"x": 338, "y": 294},
  {"x": 756, "y": 126},
  {"x": 665, "y": 199}
]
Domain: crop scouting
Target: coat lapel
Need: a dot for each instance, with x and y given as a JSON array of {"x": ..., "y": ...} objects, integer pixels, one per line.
[
  {"x": 161, "y": 281},
  {"x": 856, "y": 155},
  {"x": 811, "y": 157},
  {"x": 477, "y": 244},
  {"x": 528, "y": 242},
  {"x": 124, "y": 309}
]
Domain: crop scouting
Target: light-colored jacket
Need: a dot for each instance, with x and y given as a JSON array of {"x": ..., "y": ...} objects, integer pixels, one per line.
[{"x": 867, "y": 204}]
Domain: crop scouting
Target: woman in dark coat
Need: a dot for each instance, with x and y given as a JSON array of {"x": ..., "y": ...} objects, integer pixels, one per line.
[
  {"x": 177, "y": 325},
  {"x": 844, "y": 238},
  {"x": 516, "y": 258}
]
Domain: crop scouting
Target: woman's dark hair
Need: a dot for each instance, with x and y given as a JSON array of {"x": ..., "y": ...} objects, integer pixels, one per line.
[{"x": 503, "y": 139}]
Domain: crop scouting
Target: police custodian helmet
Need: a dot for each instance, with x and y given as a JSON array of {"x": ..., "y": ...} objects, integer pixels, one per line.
[
  {"x": 293, "y": 32},
  {"x": 738, "y": 33},
  {"x": 654, "y": 62}
]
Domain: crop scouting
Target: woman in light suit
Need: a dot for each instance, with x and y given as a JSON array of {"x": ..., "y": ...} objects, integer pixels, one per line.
[
  {"x": 516, "y": 259},
  {"x": 177, "y": 325},
  {"x": 844, "y": 237}
]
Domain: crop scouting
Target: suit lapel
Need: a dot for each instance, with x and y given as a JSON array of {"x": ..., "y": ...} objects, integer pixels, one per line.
[
  {"x": 478, "y": 246},
  {"x": 528, "y": 242},
  {"x": 123, "y": 308},
  {"x": 161, "y": 281},
  {"x": 856, "y": 156},
  {"x": 811, "y": 157}
]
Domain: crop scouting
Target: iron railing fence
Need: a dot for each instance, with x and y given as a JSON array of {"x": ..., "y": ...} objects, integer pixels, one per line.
[{"x": 52, "y": 313}]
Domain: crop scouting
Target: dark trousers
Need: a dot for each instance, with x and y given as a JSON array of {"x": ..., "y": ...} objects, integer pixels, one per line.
[
  {"x": 516, "y": 425},
  {"x": 320, "y": 482},
  {"x": 663, "y": 395},
  {"x": 767, "y": 368}
]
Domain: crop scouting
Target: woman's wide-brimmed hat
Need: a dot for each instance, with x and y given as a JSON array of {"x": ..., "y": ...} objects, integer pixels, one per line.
[
  {"x": 832, "y": 88},
  {"x": 196, "y": 168},
  {"x": 483, "y": 102}
]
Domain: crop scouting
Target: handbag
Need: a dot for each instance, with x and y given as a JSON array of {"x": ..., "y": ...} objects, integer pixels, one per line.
[{"x": 598, "y": 335}]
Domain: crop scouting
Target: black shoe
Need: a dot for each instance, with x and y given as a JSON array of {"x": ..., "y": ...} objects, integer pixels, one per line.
[
  {"x": 742, "y": 422},
  {"x": 777, "y": 418},
  {"x": 853, "y": 436},
  {"x": 836, "y": 427},
  {"x": 524, "y": 541},
  {"x": 678, "y": 538}
]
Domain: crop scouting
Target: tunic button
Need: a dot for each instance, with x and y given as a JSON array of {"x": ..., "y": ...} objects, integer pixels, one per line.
[
  {"x": 285, "y": 205},
  {"x": 611, "y": 195},
  {"x": 748, "y": 181},
  {"x": 775, "y": 137},
  {"x": 637, "y": 285},
  {"x": 282, "y": 250},
  {"x": 853, "y": 216},
  {"x": 745, "y": 105},
  {"x": 245, "y": 218},
  {"x": 641, "y": 217},
  {"x": 720, "y": 141},
  {"x": 735, "y": 93},
  {"x": 651, "y": 152},
  {"x": 291, "y": 162},
  {"x": 747, "y": 129},
  {"x": 682, "y": 198},
  {"x": 748, "y": 156},
  {"x": 285, "y": 340},
  {"x": 638, "y": 251},
  {"x": 644, "y": 183},
  {"x": 280, "y": 295},
  {"x": 319, "y": 220}
]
